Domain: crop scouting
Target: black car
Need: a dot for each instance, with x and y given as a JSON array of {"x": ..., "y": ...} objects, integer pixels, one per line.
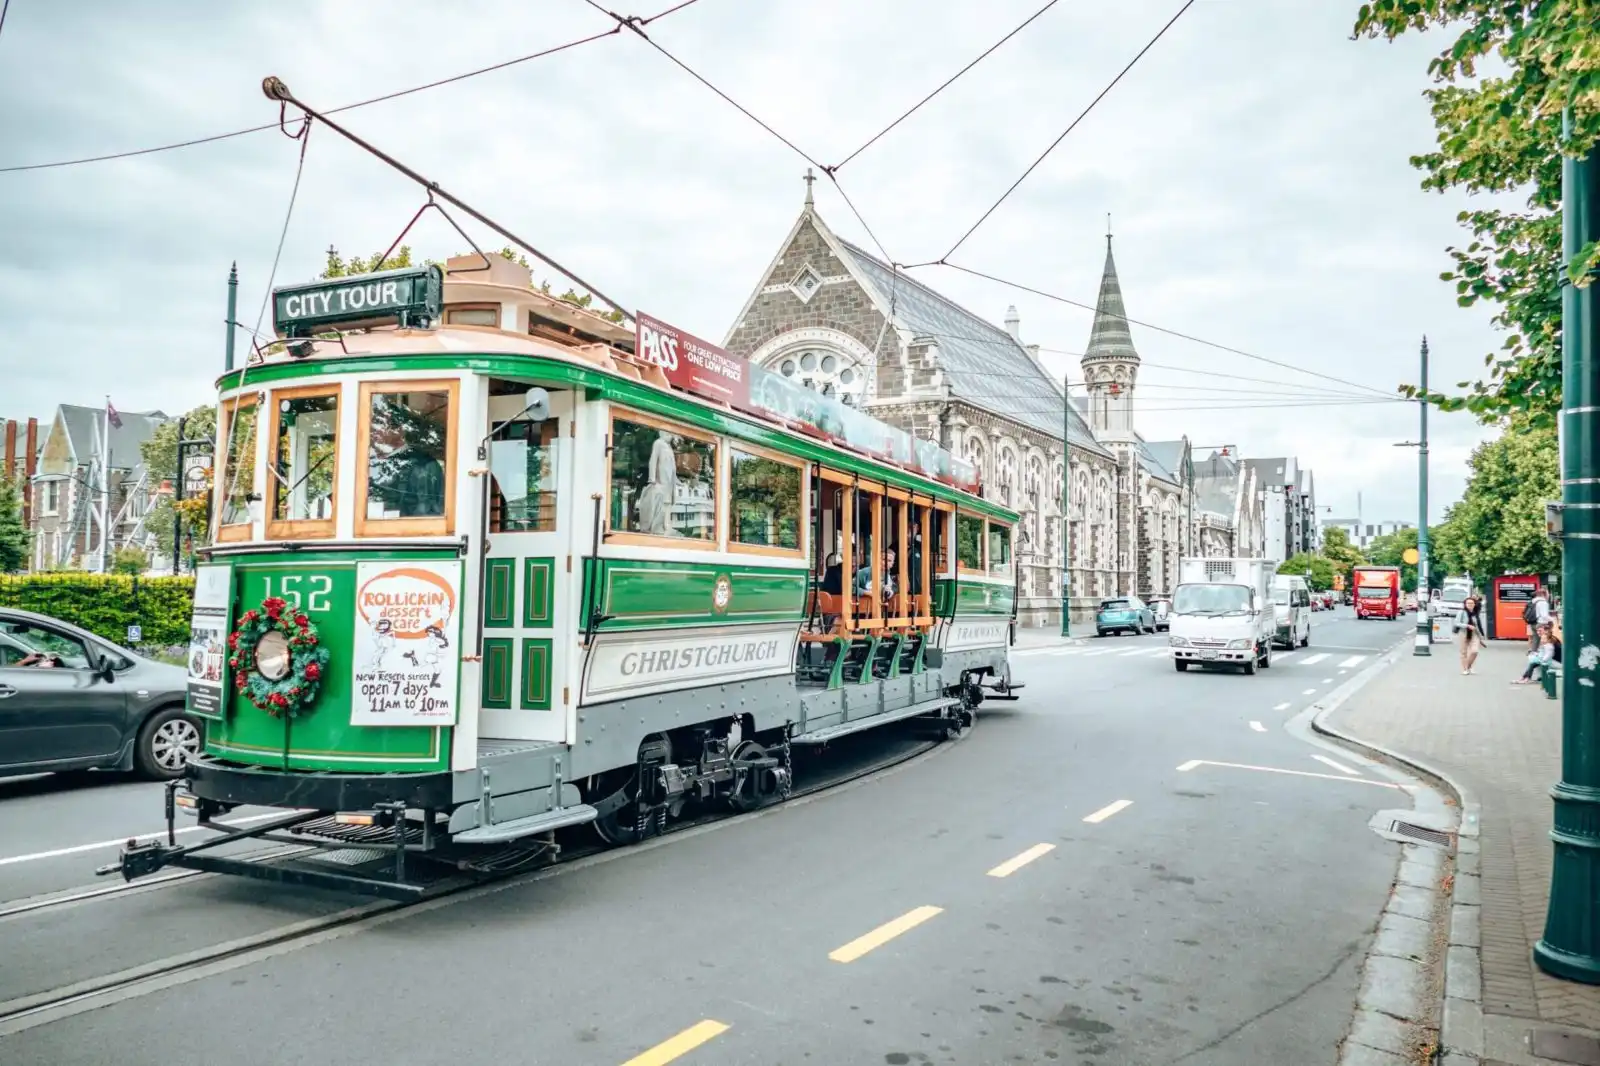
[{"x": 72, "y": 701}]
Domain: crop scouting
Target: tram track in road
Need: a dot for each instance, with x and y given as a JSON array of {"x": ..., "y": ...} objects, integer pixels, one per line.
[{"x": 41, "y": 1008}]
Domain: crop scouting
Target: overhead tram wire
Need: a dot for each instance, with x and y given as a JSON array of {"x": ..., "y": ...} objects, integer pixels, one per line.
[
  {"x": 4, "y": 7},
  {"x": 1063, "y": 135},
  {"x": 1162, "y": 329},
  {"x": 987, "y": 52},
  {"x": 614, "y": 31}
]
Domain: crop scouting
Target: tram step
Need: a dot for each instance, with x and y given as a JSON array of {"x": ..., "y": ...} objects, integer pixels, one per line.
[
  {"x": 857, "y": 725},
  {"x": 501, "y": 832},
  {"x": 330, "y": 828}
]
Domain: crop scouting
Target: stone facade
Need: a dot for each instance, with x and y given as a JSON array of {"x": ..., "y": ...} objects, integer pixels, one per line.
[{"x": 835, "y": 318}]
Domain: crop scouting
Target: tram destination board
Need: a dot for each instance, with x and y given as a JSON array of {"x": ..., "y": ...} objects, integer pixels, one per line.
[{"x": 411, "y": 296}]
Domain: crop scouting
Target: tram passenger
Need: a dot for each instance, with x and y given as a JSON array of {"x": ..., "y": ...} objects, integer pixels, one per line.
[
  {"x": 833, "y": 575},
  {"x": 863, "y": 582}
]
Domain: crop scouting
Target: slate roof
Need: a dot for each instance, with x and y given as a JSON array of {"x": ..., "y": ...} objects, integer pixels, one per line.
[
  {"x": 1164, "y": 458},
  {"x": 1216, "y": 484},
  {"x": 1109, "y": 337},
  {"x": 1272, "y": 473},
  {"x": 984, "y": 364},
  {"x": 84, "y": 425}
]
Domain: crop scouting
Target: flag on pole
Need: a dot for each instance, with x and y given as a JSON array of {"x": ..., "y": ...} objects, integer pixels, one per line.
[{"x": 112, "y": 418}]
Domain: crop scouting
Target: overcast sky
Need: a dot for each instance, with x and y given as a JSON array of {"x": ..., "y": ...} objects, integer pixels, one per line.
[{"x": 1254, "y": 165}]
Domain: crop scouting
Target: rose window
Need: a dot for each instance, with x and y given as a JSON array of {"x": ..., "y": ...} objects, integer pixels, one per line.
[{"x": 827, "y": 373}]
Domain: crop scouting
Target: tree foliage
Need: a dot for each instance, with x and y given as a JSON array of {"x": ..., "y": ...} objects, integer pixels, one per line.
[
  {"x": 160, "y": 454},
  {"x": 1318, "y": 570},
  {"x": 13, "y": 533},
  {"x": 1498, "y": 525},
  {"x": 338, "y": 267},
  {"x": 1338, "y": 550},
  {"x": 1390, "y": 550},
  {"x": 1503, "y": 133}
]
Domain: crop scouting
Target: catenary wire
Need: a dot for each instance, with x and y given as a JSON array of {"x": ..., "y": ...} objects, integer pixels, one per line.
[
  {"x": 1071, "y": 126},
  {"x": 942, "y": 87},
  {"x": 346, "y": 107},
  {"x": 4, "y": 7},
  {"x": 1162, "y": 329}
]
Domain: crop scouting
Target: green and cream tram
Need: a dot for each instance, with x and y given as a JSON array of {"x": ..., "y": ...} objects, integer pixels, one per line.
[{"x": 486, "y": 565}]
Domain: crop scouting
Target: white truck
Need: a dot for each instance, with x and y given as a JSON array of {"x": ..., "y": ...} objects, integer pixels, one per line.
[
  {"x": 1222, "y": 614},
  {"x": 1452, "y": 597}
]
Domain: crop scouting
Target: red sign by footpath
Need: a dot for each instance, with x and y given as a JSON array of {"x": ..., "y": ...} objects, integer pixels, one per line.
[{"x": 692, "y": 364}]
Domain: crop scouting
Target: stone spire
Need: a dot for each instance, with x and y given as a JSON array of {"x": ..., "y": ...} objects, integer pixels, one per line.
[
  {"x": 1109, "y": 338},
  {"x": 810, "y": 178}
]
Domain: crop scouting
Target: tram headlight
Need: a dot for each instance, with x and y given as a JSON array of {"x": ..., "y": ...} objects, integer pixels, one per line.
[{"x": 272, "y": 656}]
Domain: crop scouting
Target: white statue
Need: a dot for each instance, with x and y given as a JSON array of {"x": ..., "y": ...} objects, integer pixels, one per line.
[{"x": 655, "y": 499}]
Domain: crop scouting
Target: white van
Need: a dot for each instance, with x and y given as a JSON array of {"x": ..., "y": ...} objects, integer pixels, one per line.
[{"x": 1291, "y": 604}]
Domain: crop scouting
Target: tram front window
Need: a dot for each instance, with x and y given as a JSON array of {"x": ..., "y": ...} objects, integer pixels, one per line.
[
  {"x": 766, "y": 502},
  {"x": 239, "y": 463},
  {"x": 999, "y": 549},
  {"x": 969, "y": 542},
  {"x": 663, "y": 482},
  {"x": 304, "y": 458},
  {"x": 406, "y": 454},
  {"x": 522, "y": 460}
]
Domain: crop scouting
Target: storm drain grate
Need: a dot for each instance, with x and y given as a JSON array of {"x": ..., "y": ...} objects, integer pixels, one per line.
[{"x": 1421, "y": 832}]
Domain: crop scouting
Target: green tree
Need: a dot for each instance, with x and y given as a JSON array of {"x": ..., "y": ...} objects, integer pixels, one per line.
[
  {"x": 13, "y": 533},
  {"x": 1502, "y": 133},
  {"x": 130, "y": 561},
  {"x": 1318, "y": 570},
  {"x": 1498, "y": 525},
  {"x": 1343, "y": 555},
  {"x": 1390, "y": 550},
  {"x": 160, "y": 454}
]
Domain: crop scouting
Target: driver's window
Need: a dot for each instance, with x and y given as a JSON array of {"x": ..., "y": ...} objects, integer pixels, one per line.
[
  {"x": 26, "y": 646},
  {"x": 304, "y": 463}
]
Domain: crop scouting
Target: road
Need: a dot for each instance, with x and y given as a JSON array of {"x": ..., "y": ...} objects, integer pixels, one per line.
[{"x": 1128, "y": 865}]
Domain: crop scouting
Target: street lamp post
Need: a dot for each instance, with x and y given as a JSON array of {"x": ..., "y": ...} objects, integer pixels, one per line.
[
  {"x": 1424, "y": 626},
  {"x": 1066, "y": 507},
  {"x": 1571, "y": 944}
]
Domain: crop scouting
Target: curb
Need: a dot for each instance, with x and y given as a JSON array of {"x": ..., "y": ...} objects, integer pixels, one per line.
[{"x": 1461, "y": 1020}]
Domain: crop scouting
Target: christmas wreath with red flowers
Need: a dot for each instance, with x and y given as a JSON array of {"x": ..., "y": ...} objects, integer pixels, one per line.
[{"x": 277, "y": 660}]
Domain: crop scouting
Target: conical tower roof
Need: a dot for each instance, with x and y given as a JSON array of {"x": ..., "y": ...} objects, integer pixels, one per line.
[{"x": 1109, "y": 338}]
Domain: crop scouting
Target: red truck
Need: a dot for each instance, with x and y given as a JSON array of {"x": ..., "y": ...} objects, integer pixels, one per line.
[{"x": 1377, "y": 592}]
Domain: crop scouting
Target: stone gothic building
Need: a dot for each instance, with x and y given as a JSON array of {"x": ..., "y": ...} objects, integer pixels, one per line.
[{"x": 839, "y": 320}]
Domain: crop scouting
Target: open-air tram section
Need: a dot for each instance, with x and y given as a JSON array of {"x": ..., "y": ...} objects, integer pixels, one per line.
[{"x": 486, "y": 565}]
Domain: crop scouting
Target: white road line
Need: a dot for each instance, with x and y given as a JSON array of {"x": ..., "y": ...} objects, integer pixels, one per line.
[
  {"x": 1339, "y": 766},
  {"x": 1258, "y": 727},
  {"x": 124, "y": 839},
  {"x": 1136, "y": 651},
  {"x": 1309, "y": 692},
  {"x": 1102, "y": 651},
  {"x": 1107, "y": 811},
  {"x": 1193, "y": 763},
  {"x": 1327, "y": 681},
  {"x": 1354, "y": 660},
  {"x": 1281, "y": 707},
  {"x": 1312, "y": 660}
]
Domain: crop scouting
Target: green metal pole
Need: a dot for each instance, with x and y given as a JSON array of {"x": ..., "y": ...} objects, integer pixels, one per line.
[
  {"x": 1424, "y": 643},
  {"x": 233, "y": 311},
  {"x": 1066, "y": 507},
  {"x": 1571, "y": 944}
]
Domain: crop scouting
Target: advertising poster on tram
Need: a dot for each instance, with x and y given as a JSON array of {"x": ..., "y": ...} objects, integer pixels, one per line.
[
  {"x": 406, "y": 649},
  {"x": 209, "y": 626},
  {"x": 692, "y": 364}
]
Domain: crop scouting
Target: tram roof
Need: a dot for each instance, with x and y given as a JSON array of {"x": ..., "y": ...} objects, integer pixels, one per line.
[{"x": 487, "y": 350}]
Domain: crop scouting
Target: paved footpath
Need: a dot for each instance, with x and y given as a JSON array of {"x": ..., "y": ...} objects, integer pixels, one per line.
[{"x": 1501, "y": 746}]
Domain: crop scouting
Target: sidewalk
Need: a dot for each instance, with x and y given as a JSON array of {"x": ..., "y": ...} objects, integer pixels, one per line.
[
  {"x": 1050, "y": 636},
  {"x": 1500, "y": 745}
]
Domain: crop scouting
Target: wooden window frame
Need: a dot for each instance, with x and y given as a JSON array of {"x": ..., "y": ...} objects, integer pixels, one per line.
[
  {"x": 657, "y": 540},
  {"x": 473, "y": 305},
  {"x": 406, "y": 527},
  {"x": 233, "y": 532},
  {"x": 982, "y": 569},
  {"x": 738, "y": 547},
  {"x": 300, "y": 528}
]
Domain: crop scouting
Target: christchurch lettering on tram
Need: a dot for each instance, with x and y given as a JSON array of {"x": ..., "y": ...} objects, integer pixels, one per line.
[{"x": 734, "y": 652}]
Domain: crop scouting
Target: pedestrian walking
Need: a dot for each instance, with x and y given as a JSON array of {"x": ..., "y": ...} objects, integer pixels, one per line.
[
  {"x": 1469, "y": 623},
  {"x": 1541, "y": 658},
  {"x": 1536, "y": 614}
]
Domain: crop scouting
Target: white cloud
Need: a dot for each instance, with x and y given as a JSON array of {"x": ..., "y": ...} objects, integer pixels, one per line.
[{"x": 1255, "y": 166}]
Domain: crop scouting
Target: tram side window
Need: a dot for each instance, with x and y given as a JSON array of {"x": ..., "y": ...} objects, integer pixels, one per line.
[
  {"x": 663, "y": 482},
  {"x": 407, "y": 453},
  {"x": 237, "y": 480},
  {"x": 304, "y": 458},
  {"x": 999, "y": 548},
  {"x": 766, "y": 502},
  {"x": 522, "y": 459},
  {"x": 969, "y": 542}
]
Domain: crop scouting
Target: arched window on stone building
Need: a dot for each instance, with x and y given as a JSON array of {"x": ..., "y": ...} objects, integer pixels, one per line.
[{"x": 830, "y": 373}]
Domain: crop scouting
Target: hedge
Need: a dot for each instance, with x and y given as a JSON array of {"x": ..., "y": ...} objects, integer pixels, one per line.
[{"x": 107, "y": 604}]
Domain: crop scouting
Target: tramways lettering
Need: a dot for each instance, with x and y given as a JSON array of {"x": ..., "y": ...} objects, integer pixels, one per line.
[{"x": 747, "y": 652}]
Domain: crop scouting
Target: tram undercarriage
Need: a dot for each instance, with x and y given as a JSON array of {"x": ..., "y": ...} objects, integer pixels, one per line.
[{"x": 390, "y": 835}]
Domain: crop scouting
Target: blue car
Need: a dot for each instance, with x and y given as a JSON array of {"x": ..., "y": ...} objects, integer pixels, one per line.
[{"x": 1124, "y": 613}]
